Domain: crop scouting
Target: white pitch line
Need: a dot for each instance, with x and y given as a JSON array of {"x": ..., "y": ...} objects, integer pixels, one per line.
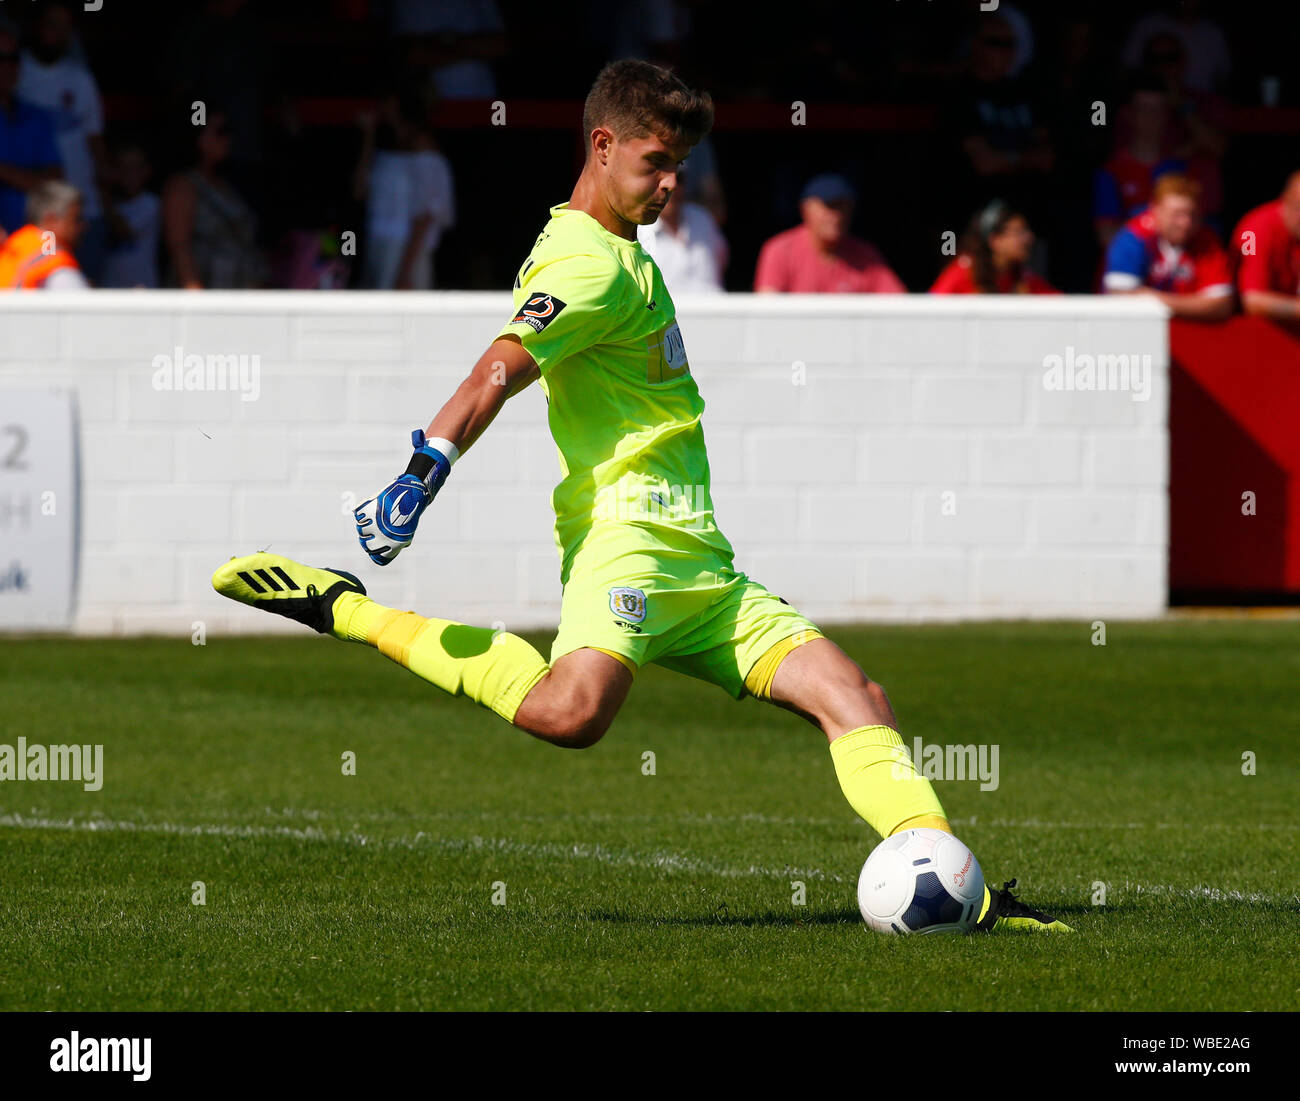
[
  {"x": 847, "y": 821},
  {"x": 1040, "y": 824},
  {"x": 311, "y": 814},
  {"x": 1212, "y": 894},
  {"x": 669, "y": 861}
]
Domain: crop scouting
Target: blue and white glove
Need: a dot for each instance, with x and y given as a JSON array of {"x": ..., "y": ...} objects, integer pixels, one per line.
[{"x": 386, "y": 523}]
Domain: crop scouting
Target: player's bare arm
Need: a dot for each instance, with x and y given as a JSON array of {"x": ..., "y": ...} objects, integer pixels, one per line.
[
  {"x": 500, "y": 373},
  {"x": 386, "y": 523}
]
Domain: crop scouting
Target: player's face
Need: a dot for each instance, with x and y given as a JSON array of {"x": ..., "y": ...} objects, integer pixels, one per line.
[
  {"x": 1175, "y": 218},
  {"x": 643, "y": 176}
]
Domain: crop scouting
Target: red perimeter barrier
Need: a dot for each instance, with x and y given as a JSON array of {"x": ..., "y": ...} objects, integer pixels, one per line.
[{"x": 1234, "y": 428}]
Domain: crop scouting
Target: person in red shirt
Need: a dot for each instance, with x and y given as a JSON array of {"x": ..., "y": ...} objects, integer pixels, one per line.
[
  {"x": 820, "y": 256},
  {"x": 1266, "y": 252},
  {"x": 993, "y": 257}
]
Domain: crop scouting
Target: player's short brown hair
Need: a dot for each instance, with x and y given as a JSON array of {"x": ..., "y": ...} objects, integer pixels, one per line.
[
  {"x": 635, "y": 99},
  {"x": 1175, "y": 183}
]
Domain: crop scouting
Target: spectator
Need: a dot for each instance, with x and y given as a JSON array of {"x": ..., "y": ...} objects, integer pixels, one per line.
[
  {"x": 134, "y": 216},
  {"x": 1165, "y": 251},
  {"x": 994, "y": 257},
  {"x": 209, "y": 230},
  {"x": 1206, "y": 46},
  {"x": 28, "y": 153},
  {"x": 453, "y": 43},
  {"x": 1122, "y": 186},
  {"x": 1080, "y": 76},
  {"x": 51, "y": 76},
  {"x": 408, "y": 189},
  {"x": 686, "y": 244},
  {"x": 39, "y": 255},
  {"x": 820, "y": 256},
  {"x": 1197, "y": 126},
  {"x": 814, "y": 64},
  {"x": 1268, "y": 275},
  {"x": 999, "y": 125},
  {"x": 1024, "y": 32},
  {"x": 219, "y": 53},
  {"x": 703, "y": 182},
  {"x": 654, "y": 30},
  {"x": 310, "y": 260}
]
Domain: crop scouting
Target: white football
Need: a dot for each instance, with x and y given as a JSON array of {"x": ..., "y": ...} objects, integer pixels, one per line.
[{"x": 921, "y": 881}]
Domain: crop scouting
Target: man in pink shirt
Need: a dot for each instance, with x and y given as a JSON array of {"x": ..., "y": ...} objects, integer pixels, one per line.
[{"x": 820, "y": 256}]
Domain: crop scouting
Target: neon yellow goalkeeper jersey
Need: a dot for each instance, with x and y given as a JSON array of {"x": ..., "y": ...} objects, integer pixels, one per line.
[{"x": 592, "y": 310}]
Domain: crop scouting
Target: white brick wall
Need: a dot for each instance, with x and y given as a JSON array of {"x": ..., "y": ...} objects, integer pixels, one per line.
[{"x": 921, "y": 470}]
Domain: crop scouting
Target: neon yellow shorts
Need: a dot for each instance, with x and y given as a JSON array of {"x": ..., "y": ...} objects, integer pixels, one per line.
[{"x": 694, "y": 616}]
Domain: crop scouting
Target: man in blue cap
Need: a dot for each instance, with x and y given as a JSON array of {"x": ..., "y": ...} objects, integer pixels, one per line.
[{"x": 820, "y": 256}]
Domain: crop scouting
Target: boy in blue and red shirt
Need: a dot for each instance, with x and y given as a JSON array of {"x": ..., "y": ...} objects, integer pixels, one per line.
[{"x": 1167, "y": 252}]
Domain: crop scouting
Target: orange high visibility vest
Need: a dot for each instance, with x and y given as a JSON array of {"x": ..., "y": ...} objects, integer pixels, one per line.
[{"x": 23, "y": 263}]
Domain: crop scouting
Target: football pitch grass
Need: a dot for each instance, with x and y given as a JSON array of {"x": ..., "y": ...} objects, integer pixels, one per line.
[{"x": 1119, "y": 765}]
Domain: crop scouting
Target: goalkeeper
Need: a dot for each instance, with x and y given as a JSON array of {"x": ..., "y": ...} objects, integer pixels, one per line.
[{"x": 648, "y": 577}]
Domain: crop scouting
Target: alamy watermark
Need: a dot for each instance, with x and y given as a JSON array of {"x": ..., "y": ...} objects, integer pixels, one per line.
[
  {"x": 82, "y": 764},
  {"x": 687, "y": 507},
  {"x": 178, "y": 370},
  {"x": 1105, "y": 371},
  {"x": 949, "y": 762},
  {"x": 116, "y": 1055}
]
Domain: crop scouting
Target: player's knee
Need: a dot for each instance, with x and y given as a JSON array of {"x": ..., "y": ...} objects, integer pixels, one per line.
[
  {"x": 847, "y": 681},
  {"x": 876, "y": 696},
  {"x": 852, "y": 697},
  {"x": 863, "y": 694}
]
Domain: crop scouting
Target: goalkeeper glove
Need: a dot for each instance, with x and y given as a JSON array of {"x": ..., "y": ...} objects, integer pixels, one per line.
[{"x": 386, "y": 523}]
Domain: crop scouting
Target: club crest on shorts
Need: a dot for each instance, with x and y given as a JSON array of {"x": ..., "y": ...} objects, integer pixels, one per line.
[{"x": 628, "y": 603}]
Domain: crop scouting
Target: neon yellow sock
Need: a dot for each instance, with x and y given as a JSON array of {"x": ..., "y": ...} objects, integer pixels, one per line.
[
  {"x": 880, "y": 782},
  {"x": 925, "y": 822},
  {"x": 493, "y": 668}
]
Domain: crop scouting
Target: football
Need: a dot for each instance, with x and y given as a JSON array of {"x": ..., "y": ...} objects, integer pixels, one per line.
[{"x": 921, "y": 881}]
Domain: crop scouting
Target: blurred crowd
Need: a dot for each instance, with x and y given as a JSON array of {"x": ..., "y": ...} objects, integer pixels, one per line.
[{"x": 1028, "y": 149}]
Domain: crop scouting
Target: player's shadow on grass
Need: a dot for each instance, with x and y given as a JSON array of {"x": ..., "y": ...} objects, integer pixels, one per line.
[
  {"x": 723, "y": 916},
  {"x": 1071, "y": 910}
]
